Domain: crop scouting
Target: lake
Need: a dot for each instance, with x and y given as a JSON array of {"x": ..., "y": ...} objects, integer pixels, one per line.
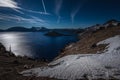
[{"x": 35, "y": 44}]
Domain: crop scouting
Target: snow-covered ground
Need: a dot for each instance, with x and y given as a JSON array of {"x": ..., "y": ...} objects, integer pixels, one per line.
[{"x": 91, "y": 66}]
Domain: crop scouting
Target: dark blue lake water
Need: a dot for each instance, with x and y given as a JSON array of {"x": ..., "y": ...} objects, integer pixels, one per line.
[{"x": 35, "y": 44}]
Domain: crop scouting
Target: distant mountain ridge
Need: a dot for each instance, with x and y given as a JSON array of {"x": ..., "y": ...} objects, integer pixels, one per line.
[
  {"x": 23, "y": 29},
  {"x": 17, "y": 29},
  {"x": 39, "y": 29},
  {"x": 109, "y": 23}
]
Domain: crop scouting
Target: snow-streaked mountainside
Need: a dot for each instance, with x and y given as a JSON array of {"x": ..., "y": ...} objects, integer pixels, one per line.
[{"x": 91, "y": 66}]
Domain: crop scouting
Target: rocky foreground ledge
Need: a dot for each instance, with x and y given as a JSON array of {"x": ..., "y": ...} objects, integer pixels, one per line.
[{"x": 10, "y": 66}]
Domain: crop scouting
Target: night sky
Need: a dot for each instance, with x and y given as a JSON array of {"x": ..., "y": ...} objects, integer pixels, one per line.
[{"x": 57, "y": 13}]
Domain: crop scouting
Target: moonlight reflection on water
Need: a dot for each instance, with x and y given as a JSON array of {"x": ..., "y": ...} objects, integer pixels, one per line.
[
  {"x": 16, "y": 42},
  {"x": 34, "y": 44}
]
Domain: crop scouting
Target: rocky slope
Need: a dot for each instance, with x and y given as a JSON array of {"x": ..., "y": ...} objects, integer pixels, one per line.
[{"x": 91, "y": 36}]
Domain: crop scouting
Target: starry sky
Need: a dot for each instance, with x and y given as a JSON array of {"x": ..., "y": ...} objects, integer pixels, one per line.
[{"x": 57, "y": 13}]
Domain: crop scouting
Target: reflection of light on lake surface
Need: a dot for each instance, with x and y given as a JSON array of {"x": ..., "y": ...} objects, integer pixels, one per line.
[
  {"x": 34, "y": 44},
  {"x": 16, "y": 41},
  {"x": 9, "y": 36}
]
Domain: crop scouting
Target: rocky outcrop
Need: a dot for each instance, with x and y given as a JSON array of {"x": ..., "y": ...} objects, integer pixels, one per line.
[
  {"x": 4, "y": 52},
  {"x": 2, "y": 48}
]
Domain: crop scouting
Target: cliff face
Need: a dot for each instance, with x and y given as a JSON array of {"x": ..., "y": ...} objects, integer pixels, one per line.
[{"x": 89, "y": 38}]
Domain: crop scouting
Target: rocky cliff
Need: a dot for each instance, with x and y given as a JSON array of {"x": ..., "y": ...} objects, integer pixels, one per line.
[{"x": 91, "y": 36}]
